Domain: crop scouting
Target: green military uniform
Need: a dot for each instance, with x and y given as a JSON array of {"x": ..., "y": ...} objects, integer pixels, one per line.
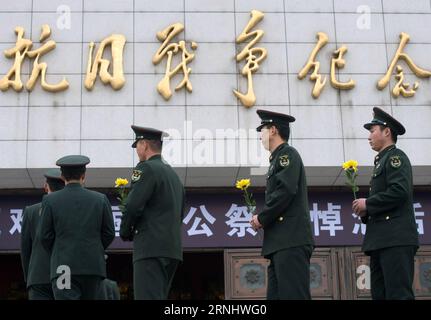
[
  {"x": 288, "y": 241},
  {"x": 391, "y": 237},
  {"x": 34, "y": 257},
  {"x": 77, "y": 226},
  {"x": 152, "y": 218}
]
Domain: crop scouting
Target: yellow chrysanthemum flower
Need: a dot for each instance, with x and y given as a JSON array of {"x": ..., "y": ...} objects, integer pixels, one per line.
[
  {"x": 351, "y": 164},
  {"x": 120, "y": 182},
  {"x": 243, "y": 184}
]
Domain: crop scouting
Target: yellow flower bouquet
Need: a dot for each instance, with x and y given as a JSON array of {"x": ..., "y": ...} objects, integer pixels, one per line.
[
  {"x": 243, "y": 185},
  {"x": 351, "y": 170},
  {"x": 120, "y": 185}
]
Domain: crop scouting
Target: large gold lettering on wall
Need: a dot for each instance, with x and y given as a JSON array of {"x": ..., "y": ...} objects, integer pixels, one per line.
[
  {"x": 312, "y": 64},
  {"x": 169, "y": 49},
  {"x": 111, "y": 71},
  {"x": 337, "y": 62},
  {"x": 252, "y": 56},
  {"x": 19, "y": 52},
  {"x": 116, "y": 79},
  {"x": 402, "y": 87}
]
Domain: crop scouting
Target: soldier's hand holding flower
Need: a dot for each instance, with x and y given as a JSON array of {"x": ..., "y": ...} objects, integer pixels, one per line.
[
  {"x": 255, "y": 224},
  {"x": 359, "y": 206},
  {"x": 243, "y": 185}
]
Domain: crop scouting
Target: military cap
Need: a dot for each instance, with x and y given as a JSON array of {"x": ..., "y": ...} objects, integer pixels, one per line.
[
  {"x": 54, "y": 174},
  {"x": 382, "y": 118},
  {"x": 269, "y": 117},
  {"x": 73, "y": 161},
  {"x": 147, "y": 133}
]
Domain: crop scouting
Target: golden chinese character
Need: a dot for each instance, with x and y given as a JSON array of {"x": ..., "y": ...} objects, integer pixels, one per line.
[
  {"x": 338, "y": 62},
  {"x": 253, "y": 57},
  {"x": 19, "y": 52},
  {"x": 21, "y": 49},
  {"x": 116, "y": 80},
  {"x": 401, "y": 87},
  {"x": 39, "y": 68},
  {"x": 166, "y": 35},
  {"x": 322, "y": 40}
]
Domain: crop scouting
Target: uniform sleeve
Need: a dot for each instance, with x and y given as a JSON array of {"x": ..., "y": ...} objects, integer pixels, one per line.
[
  {"x": 26, "y": 242},
  {"x": 140, "y": 193},
  {"x": 46, "y": 226},
  {"x": 398, "y": 180},
  {"x": 286, "y": 186},
  {"x": 108, "y": 229},
  {"x": 364, "y": 219}
]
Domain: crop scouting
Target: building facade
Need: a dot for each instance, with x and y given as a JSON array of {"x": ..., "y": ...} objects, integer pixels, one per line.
[{"x": 75, "y": 74}]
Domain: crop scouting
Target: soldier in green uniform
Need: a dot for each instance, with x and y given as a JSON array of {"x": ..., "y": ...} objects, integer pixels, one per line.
[
  {"x": 76, "y": 227},
  {"x": 285, "y": 217},
  {"x": 391, "y": 238},
  {"x": 34, "y": 257},
  {"x": 152, "y": 218}
]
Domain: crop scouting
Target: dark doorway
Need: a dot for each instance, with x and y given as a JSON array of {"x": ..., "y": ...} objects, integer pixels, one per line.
[
  {"x": 200, "y": 276},
  {"x": 12, "y": 285}
]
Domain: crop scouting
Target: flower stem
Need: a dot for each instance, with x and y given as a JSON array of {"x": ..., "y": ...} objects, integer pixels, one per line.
[{"x": 246, "y": 197}]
